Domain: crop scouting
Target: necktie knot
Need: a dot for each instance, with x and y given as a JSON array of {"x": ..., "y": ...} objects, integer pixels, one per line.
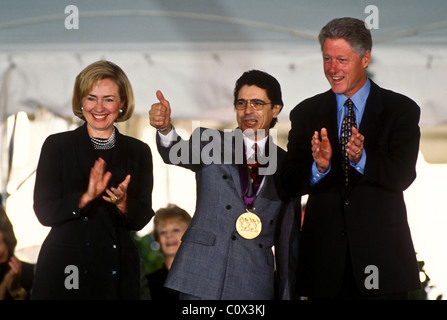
[
  {"x": 253, "y": 159},
  {"x": 349, "y": 103},
  {"x": 350, "y": 114}
]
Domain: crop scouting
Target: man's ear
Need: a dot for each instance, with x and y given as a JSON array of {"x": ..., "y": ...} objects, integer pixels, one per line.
[
  {"x": 276, "y": 110},
  {"x": 366, "y": 59}
]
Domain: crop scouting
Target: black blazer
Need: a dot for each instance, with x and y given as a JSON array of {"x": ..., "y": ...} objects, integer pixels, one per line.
[
  {"x": 96, "y": 240},
  {"x": 369, "y": 219}
]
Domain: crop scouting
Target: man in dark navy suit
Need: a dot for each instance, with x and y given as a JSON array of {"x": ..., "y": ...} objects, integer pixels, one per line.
[{"x": 355, "y": 241}]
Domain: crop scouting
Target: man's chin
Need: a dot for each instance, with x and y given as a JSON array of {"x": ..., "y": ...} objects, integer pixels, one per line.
[
  {"x": 249, "y": 131},
  {"x": 338, "y": 88}
]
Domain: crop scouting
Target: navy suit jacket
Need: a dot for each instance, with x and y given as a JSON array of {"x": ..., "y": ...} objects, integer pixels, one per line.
[{"x": 369, "y": 218}]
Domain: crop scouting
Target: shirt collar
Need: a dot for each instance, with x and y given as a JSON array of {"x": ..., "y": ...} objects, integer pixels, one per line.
[
  {"x": 249, "y": 145},
  {"x": 359, "y": 98}
]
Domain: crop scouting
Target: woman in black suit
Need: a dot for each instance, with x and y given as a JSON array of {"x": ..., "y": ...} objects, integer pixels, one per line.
[{"x": 93, "y": 186}]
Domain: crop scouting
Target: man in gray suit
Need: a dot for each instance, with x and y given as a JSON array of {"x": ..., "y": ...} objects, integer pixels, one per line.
[{"x": 226, "y": 253}]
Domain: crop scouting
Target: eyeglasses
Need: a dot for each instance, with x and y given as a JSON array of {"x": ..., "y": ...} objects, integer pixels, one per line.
[{"x": 256, "y": 104}]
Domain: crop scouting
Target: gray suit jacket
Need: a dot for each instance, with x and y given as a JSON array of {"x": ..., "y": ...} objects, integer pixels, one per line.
[{"x": 214, "y": 261}]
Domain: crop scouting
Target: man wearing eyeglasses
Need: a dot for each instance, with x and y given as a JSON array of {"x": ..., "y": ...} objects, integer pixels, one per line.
[{"x": 226, "y": 253}]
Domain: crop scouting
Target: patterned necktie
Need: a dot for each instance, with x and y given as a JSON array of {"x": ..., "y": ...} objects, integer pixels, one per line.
[
  {"x": 253, "y": 168},
  {"x": 345, "y": 135}
]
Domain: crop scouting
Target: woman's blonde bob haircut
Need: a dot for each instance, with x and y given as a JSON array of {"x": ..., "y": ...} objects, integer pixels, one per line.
[{"x": 95, "y": 72}]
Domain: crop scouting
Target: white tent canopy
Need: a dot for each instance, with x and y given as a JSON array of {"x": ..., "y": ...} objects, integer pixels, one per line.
[{"x": 194, "y": 51}]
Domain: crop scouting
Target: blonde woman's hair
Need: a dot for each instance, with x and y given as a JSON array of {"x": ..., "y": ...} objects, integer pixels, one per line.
[
  {"x": 95, "y": 72},
  {"x": 172, "y": 211}
]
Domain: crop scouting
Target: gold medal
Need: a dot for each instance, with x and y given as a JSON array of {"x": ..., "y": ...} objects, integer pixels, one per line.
[{"x": 248, "y": 225}]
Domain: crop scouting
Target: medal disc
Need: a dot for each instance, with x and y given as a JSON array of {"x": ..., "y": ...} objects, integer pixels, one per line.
[{"x": 248, "y": 225}]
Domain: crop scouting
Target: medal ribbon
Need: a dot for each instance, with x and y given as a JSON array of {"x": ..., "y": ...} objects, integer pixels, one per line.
[{"x": 250, "y": 186}]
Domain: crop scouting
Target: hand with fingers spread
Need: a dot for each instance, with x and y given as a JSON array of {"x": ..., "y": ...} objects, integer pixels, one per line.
[
  {"x": 321, "y": 150},
  {"x": 160, "y": 114},
  {"x": 10, "y": 284},
  {"x": 97, "y": 183},
  {"x": 355, "y": 146}
]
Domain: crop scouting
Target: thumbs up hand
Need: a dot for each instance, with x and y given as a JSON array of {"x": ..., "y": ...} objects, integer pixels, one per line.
[{"x": 160, "y": 114}]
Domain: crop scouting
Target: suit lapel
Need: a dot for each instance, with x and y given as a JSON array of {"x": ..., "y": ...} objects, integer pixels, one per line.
[
  {"x": 119, "y": 165},
  {"x": 327, "y": 118},
  {"x": 371, "y": 120},
  {"x": 268, "y": 189},
  {"x": 329, "y": 112},
  {"x": 236, "y": 171},
  {"x": 233, "y": 166},
  {"x": 85, "y": 152},
  {"x": 235, "y": 175}
]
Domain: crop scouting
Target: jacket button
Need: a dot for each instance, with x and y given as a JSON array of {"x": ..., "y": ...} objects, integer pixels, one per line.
[
  {"x": 88, "y": 244},
  {"x": 346, "y": 202},
  {"x": 233, "y": 237},
  {"x": 228, "y": 207},
  {"x": 225, "y": 177}
]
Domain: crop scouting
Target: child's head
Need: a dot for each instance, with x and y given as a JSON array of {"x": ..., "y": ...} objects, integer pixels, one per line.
[{"x": 170, "y": 224}]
